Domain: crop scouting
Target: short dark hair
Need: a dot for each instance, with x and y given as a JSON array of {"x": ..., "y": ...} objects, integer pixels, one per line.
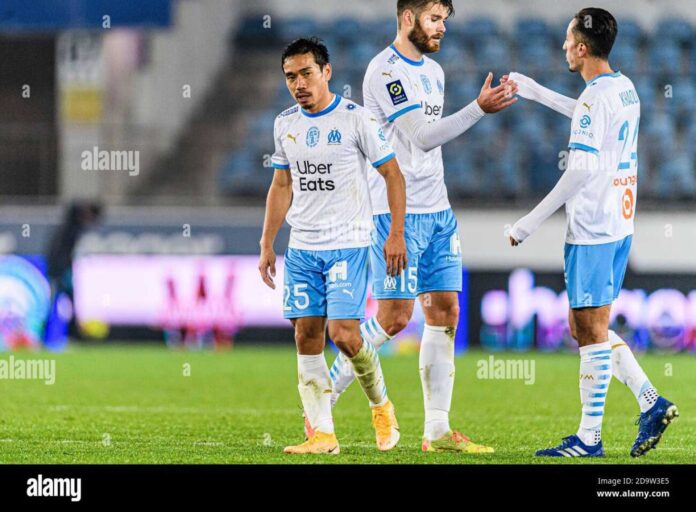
[
  {"x": 596, "y": 28},
  {"x": 303, "y": 45},
  {"x": 418, "y": 5}
]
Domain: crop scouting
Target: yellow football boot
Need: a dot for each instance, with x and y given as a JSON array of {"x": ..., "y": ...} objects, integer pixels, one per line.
[
  {"x": 454, "y": 442},
  {"x": 319, "y": 443},
  {"x": 386, "y": 427}
]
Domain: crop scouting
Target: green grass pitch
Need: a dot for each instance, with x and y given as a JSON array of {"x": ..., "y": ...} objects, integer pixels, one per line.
[{"x": 132, "y": 404}]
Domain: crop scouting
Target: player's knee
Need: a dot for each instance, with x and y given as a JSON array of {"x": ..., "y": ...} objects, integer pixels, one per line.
[
  {"x": 306, "y": 338},
  {"x": 447, "y": 315},
  {"x": 452, "y": 313},
  {"x": 343, "y": 334},
  {"x": 396, "y": 323},
  {"x": 346, "y": 339},
  {"x": 588, "y": 334}
]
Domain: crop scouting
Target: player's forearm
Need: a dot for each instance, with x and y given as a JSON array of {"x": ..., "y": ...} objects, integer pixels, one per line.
[
  {"x": 428, "y": 136},
  {"x": 532, "y": 90},
  {"x": 396, "y": 197},
  {"x": 579, "y": 169},
  {"x": 277, "y": 206}
]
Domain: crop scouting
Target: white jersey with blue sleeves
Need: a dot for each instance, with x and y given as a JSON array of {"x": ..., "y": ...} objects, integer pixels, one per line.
[
  {"x": 326, "y": 153},
  {"x": 394, "y": 85},
  {"x": 605, "y": 122}
]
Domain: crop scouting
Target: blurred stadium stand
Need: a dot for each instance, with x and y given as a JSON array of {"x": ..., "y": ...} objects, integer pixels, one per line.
[
  {"x": 514, "y": 155},
  {"x": 195, "y": 86}
]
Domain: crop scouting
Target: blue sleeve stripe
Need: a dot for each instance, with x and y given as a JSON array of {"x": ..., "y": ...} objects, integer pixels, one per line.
[
  {"x": 401, "y": 112},
  {"x": 600, "y": 352},
  {"x": 280, "y": 166},
  {"x": 583, "y": 147},
  {"x": 384, "y": 160}
]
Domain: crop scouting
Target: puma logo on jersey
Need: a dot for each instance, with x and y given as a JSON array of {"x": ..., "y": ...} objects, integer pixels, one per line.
[
  {"x": 348, "y": 292},
  {"x": 588, "y": 107},
  {"x": 293, "y": 137},
  {"x": 387, "y": 73}
]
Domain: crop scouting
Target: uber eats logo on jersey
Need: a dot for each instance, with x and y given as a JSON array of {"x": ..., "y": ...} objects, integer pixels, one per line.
[
  {"x": 431, "y": 110},
  {"x": 307, "y": 168}
]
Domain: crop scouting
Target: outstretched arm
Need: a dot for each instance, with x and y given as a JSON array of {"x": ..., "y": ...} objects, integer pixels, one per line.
[
  {"x": 531, "y": 90},
  {"x": 430, "y": 135},
  {"x": 580, "y": 166}
]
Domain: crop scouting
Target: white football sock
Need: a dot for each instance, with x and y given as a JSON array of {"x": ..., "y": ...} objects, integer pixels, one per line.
[
  {"x": 595, "y": 375},
  {"x": 315, "y": 391},
  {"x": 436, "y": 365},
  {"x": 368, "y": 371},
  {"x": 342, "y": 373},
  {"x": 627, "y": 370}
]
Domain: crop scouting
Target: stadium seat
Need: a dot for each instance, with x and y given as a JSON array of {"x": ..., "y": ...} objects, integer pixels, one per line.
[
  {"x": 346, "y": 30},
  {"x": 629, "y": 32},
  {"x": 677, "y": 30},
  {"x": 503, "y": 172},
  {"x": 534, "y": 56},
  {"x": 647, "y": 91},
  {"x": 477, "y": 30},
  {"x": 531, "y": 28},
  {"x": 676, "y": 178},
  {"x": 252, "y": 30},
  {"x": 292, "y": 28},
  {"x": 626, "y": 58},
  {"x": 460, "y": 170},
  {"x": 493, "y": 55},
  {"x": 454, "y": 56},
  {"x": 665, "y": 58}
]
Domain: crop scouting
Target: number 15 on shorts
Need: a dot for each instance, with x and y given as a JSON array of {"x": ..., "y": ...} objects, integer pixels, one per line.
[{"x": 406, "y": 282}]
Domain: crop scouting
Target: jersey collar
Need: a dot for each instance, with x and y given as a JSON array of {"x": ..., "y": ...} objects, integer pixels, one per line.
[
  {"x": 329, "y": 108},
  {"x": 613, "y": 75},
  {"x": 406, "y": 59}
]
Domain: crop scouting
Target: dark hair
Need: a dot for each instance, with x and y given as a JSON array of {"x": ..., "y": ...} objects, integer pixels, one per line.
[
  {"x": 596, "y": 28},
  {"x": 418, "y": 5},
  {"x": 303, "y": 45}
]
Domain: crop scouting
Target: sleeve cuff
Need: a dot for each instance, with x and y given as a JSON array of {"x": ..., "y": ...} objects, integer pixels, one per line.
[
  {"x": 515, "y": 233},
  {"x": 403, "y": 111},
  {"x": 384, "y": 160},
  {"x": 583, "y": 147},
  {"x": 476, "y": 109},
  {"x": 280, "y": 166}
]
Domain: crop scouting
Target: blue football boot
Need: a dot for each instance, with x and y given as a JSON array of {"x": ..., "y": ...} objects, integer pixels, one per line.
[
  {"x": 652, "y": 424},
  {"x": 572, "y": 446}
]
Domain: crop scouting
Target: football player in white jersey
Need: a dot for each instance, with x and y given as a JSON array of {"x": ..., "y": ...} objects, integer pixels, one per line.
[
  {"x": 598, "y": 189},
  {"x": 322, "y": 145},
  {"x": 405, "y": 89}
]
